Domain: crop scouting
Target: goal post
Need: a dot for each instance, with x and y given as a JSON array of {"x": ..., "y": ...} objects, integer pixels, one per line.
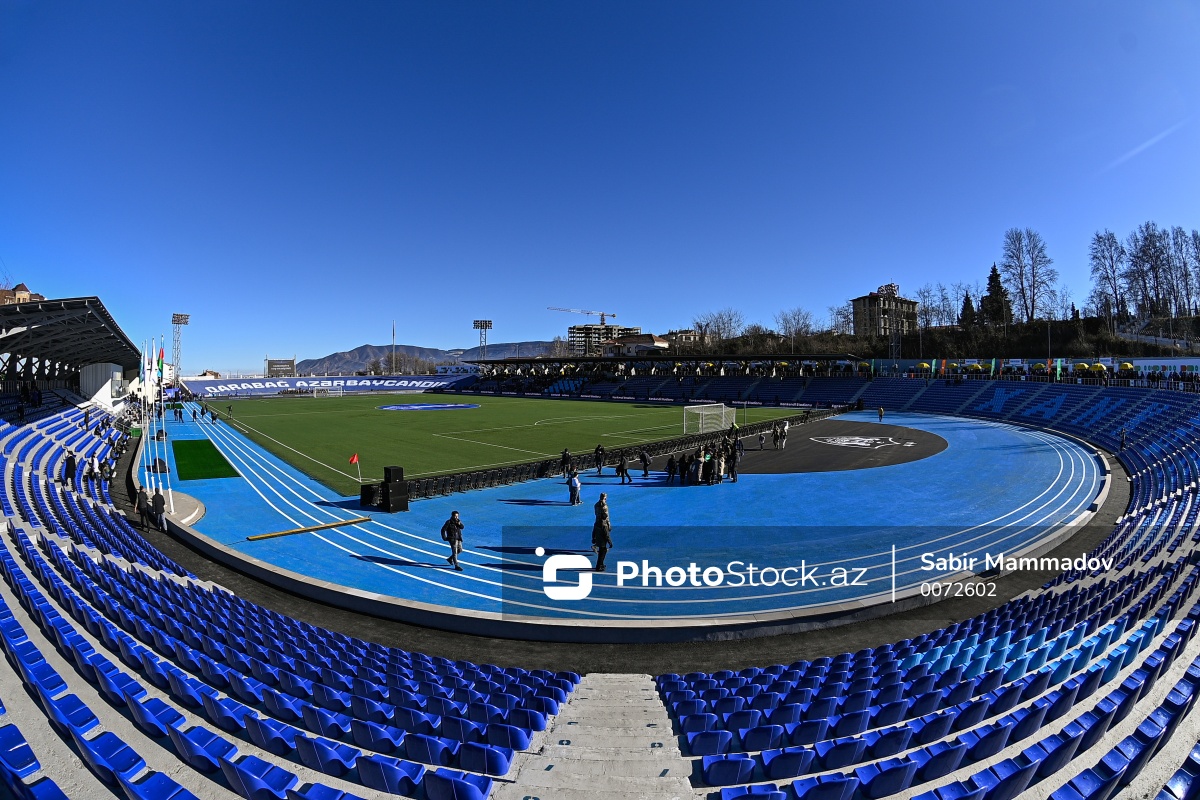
[
  {"x": 329, "y": 391},
  {"x": 708, "y": 418}
]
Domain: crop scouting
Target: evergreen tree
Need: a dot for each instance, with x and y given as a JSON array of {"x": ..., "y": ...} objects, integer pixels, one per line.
[
  {"x": 966, "y": 316},
  {"x": 995, "y": 307}
]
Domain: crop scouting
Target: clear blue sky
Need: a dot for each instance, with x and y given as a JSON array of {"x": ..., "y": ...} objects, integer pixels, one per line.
[{"x": 296, "y": 175}]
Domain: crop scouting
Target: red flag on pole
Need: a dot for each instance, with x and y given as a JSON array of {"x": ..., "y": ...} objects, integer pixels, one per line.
[{"x": 354, "y": 458}]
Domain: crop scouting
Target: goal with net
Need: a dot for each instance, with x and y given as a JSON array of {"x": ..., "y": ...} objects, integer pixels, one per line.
[
  {"x": 707, "y": 418},
  {"x": 331, "y": 391}
]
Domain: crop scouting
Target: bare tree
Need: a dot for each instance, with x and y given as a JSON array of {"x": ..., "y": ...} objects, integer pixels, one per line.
[
  {"x": 1107, "y": 258},
  {"x": 926, "y": 305},
  {"x": 1195, "y": 237},
  {"x": 1064, "y": 303},
  {"x": 559, "y": 348},
  {"x": 1147, "y": 269},
  {"x": 1183, "y": 285},
  {"x": 958, "y": 293},
  {"x": 1026, "y": 269},
  {"x": 718, "y": 327},
  {"x": 793, "y": 322},
  {"x": 841, "y": 318}
]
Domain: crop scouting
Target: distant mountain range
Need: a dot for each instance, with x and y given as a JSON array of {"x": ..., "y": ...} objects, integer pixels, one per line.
[{"x": 358, "y": 359}]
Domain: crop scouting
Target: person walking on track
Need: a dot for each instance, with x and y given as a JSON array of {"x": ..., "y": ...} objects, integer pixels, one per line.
[
  {"x": 601, "y": 532},
  {"x": 452, "y": 535}
]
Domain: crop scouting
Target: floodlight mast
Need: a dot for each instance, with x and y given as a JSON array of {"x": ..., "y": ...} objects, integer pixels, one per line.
[
  {"x": 483, "y": 326},
  {"x": 177, "y": 323}
]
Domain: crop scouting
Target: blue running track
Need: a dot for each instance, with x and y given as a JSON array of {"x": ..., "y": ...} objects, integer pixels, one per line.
[{"x": 996, "y": 488}]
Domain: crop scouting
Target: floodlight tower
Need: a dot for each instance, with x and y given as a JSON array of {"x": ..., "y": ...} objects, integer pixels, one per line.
[
  {"x": 483, "y": 326},
  {"x": 177, "y": 323}
]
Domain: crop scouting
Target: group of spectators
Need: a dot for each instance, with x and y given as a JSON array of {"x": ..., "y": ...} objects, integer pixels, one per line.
[{"x": 708, "y": 465}]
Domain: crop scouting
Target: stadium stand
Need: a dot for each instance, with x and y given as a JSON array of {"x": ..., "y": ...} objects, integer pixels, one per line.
[{"x": 168, "y": 686}]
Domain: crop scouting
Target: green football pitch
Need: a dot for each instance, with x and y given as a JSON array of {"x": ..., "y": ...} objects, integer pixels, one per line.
[{"x": 318, "y": 436}]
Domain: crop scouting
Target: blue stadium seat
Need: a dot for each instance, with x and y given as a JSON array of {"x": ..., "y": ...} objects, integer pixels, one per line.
[
  {"x": 153, "y": 716},
  {"x": 15, "y": 754},
  {"x": 764, "y": 737},
  {"x": 1005, "y": 780},
  {"x": 509, "y": 736},
  {"x": 485, "y": 759},
  {"x": 255, "y": 779},
  {"x": 886, "y": 777},
  {"x": 938, "y": 759},
  {"x": 332, "y": 758},
  {"x": 431, "y": 750},
  {"x": 790, "y": 762},
  {"x": 727, "y": 770},
  {"x": 707, "y": 743},
  {"x": 392, "y": 775},
  {"x": 271, "y": 735},
  {"x": 449, "y": 785},
  {"x": 201, "y": 748},
  {"x": 825, "y": 787},
  {"x": 157, "y": 786},
  {"x": 765, "y": 791},
  {"x": 107, "y": 756},
  {"x": 837, "y": 753},
  {"x": 319, "y": 791}
]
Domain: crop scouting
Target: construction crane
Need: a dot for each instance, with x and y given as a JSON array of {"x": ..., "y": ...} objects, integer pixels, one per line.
[{"x": 603, "y": 315}]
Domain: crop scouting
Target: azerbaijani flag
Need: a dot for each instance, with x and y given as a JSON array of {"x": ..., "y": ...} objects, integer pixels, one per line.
[{"x": 161, "y": 355}]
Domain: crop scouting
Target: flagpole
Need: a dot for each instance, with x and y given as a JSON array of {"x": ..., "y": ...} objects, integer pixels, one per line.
[
  {"x": 391, "y": 366},
  {"x": 162, "y": 393},
  {"x": 359, "y": 465}
]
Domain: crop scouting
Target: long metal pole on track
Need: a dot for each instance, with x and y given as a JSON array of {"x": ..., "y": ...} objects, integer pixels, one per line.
[{"x": 326, "y": 526}]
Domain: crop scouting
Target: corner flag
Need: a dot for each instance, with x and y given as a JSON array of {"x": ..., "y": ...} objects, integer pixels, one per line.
[{"x": 354, "y": 458}]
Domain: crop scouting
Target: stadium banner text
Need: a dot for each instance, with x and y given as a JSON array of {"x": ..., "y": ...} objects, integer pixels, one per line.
[{"x": 226, "y": 387}]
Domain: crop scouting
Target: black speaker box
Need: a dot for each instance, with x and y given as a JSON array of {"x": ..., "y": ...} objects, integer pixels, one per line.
[
  {"x": 395, "y": 496},
  {"x": 393, "y": 474},
  {"x": 369, "y": 495}
]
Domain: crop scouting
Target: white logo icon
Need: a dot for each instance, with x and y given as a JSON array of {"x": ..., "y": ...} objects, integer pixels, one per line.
[
  {"x": 565, "y": 562},
  {"x": 864, "y": 442}
]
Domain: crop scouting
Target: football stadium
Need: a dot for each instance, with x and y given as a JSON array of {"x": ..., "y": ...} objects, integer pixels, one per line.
[{"x": 934, "y": 544}]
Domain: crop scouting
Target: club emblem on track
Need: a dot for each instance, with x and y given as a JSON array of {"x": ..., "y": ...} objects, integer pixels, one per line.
[{"x": 861, "y": 442}]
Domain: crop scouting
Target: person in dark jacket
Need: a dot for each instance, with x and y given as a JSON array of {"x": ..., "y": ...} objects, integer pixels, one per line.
[
  {"x": 644, "y": 457},
  {"x": 143, "y": 508},
  {"x": 671, "y": 468},
  {"x": 623, "y": 468},
  {"x": 159, "y": 506},
  {"x": 601, "y": 532},
  {"x": 599, "y": 454},
  {"x": 452, "y": 535},
  {"x": 565, "y": 461},
  {"x": 573, "y": 484},
  {"x": 70, "y": 468}
]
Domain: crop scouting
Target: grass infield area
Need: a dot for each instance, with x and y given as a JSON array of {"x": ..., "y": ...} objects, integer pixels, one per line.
[
  {"x": 198, "y": 459},
  {"x": 318, "y": 436}
]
